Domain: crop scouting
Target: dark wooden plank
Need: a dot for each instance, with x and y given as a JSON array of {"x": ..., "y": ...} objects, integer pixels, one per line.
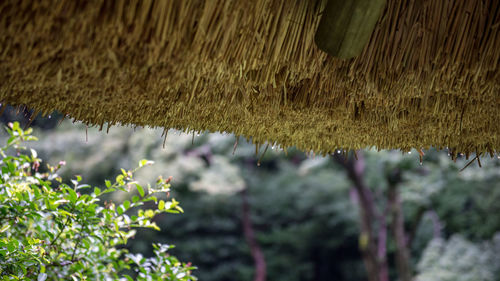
[{"x": 346, "y": 26}]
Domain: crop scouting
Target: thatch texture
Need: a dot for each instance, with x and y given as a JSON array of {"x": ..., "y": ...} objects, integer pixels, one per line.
[{"x": 428, "y": 76}]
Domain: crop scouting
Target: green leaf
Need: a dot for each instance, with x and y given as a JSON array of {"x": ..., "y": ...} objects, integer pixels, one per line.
[
  {"x": 72, "y": 195},
  {"x": 4, "y": 228},
  {"x": 48, "y": 204},
  {"x": 126, "y": 204},
  {"x": 140, "y": 189},
  {"x": 108, "y": 183},
  {"x": 119, "y": 210},
  {"x": 119, "y": 179},
  {"x": 66, "y": 214},
  {"x": 179, "y": 208},
  {"x": 149, "y": 213},
  {"x": 145, "y": 162},
  {"x": 97, "y": 191},
  {"x": 151, "y": 198},
  {"x": 12, "y": 245},
  {"x": 15, "y": 126},
  {"x": 11, "y": 140},
  {"x": 155, "y": 226},
  {"x": 128, "y": 277},
  {"x": 135, "y": 198},
  {"x": 161, "y": 205},
  {"x": 91, "y": 208}
]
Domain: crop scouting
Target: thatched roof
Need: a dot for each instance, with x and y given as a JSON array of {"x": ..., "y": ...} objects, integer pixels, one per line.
[{"x": 427, "y": 77}]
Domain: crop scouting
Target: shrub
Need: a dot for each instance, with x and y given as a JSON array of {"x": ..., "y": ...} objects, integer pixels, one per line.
[{"x": 51, "y": 230}]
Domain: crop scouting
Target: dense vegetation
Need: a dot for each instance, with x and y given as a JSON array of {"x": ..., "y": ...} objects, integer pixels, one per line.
[
  {"x": 50, "y": 230},
  {"x": 304, "y": 210}
]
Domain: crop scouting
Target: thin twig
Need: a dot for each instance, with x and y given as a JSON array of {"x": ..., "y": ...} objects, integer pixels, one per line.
[{"x": 263, "y": 153}]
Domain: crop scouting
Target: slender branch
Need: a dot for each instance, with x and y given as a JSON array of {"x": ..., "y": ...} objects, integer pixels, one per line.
[
  {"x": 76, "y": 247},
  {"x": 257, "y": 254},
  {"x": 382, "y": 246},
  {"x": 416, "y": 222},
  {"x": 397, "y": 227},
  {"x": 373, "y": 246},
  {"x": 60, "y": 232},
  {"x": 63, "y": 263},
  {"x": 78, "y": 243},
  {"x": 436, "y": 223}
]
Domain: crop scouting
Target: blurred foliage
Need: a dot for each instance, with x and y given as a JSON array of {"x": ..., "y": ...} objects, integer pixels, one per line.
[
  {"x": 303, "y": 210},
  {"x": 458, "y": 259},
  {"x": 50, "y": 230}
]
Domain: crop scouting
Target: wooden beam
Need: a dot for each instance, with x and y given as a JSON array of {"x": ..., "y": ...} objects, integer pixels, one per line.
[{"x": 346, "y": 26}]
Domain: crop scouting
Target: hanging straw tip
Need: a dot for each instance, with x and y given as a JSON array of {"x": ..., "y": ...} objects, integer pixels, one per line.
[
  {"x": 355, "y": 155},
  {"x": 421, "y": 156},
  {"x": 32, "y": 118},
  {"x": 165, "y": 132},
  {"x": 235, "y": 144}
]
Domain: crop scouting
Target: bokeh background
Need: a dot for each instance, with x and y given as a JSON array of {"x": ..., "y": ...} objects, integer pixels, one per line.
[{"x": 302, "y": 210}]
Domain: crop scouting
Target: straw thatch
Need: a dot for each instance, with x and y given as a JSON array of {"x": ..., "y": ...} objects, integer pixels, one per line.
[{"x": 428, "y": 76}]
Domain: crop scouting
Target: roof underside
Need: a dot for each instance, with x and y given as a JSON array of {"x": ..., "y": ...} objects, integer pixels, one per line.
[{"x": 428, "y": 76}]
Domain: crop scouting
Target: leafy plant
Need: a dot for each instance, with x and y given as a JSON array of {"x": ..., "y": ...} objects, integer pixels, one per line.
[
  {"x": 459, "y": 259},
  {"x": 51, "y": 230}
]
